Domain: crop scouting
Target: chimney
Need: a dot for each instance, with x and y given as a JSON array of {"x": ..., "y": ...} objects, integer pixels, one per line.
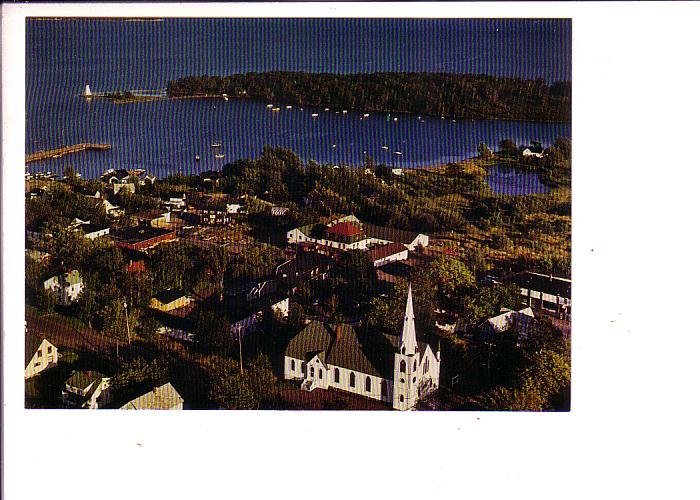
[{"x": 338, "y": 332}]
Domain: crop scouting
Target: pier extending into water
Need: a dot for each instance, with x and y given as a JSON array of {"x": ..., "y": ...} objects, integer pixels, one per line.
[{"x": 58, "y": 152}]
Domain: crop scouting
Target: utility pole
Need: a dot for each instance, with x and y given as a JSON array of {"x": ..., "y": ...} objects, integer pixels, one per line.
[
  {"x": 126, "y": 314},
  {"x": 240, "y": 348}
]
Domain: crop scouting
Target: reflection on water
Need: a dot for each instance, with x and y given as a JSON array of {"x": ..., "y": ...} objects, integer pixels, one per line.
[{"x": 507, "y": 180}]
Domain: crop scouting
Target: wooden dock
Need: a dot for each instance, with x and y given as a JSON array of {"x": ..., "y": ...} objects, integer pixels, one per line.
[{"x": 57, "y": 153}]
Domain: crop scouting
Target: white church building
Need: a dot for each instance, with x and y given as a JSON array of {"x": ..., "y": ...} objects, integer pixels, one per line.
[{"x": 398, "y": 370}]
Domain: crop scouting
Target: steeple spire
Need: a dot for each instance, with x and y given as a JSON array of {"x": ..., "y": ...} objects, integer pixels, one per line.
[{"x": 408, "y": 335}]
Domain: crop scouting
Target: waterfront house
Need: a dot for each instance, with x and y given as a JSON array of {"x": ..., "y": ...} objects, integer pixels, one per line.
[
  {"x": 164, "y": 397},
  {"x": 87, "y": 390},
  {"x": 141, "y": 237},
  {"x": 111, "y": 176},
  {"x": 170, "y": 299},
  {"x": 535, "y": 149},
  {"x": 66, "y": 286},
  {"x": 398, "y": 370},
  {"x": 39, "y": 354}
]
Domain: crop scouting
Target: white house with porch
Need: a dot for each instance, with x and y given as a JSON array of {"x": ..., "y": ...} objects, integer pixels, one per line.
[{"x": 398, "y": 370}]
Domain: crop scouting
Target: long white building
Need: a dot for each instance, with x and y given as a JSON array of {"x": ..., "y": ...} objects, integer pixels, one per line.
[{"x": 348, "y": 233}]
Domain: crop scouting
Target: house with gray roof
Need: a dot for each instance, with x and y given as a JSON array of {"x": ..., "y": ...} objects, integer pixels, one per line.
[
  {"x": 397, "y": 370},
  {"x": 86, "y": 390},
  {"x": 164, "y": 397}
]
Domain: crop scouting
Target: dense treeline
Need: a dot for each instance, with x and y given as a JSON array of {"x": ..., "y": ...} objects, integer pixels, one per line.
[{"x": 430, "y": 94}]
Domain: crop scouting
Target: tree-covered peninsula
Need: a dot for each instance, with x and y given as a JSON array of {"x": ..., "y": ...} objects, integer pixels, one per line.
[{"x": 451, "y": 96}]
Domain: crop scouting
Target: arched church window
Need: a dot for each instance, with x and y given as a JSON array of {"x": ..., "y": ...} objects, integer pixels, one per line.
[
  {"x": 402, "y": 366},
  {"x": 352, "y": 379},
  {"x": 368, "y": 384},
  {"x": 311, "y": 371},
  {"x": 337, "y": 376},
  {"x": 403, "y": 350},
  {"x": 414, "y": 365},
  {"x": 401, "y": 398},
  {"x": 320, "y": 374},
  {"x": 426, "y": 367},
  {"x": 292, "y": 365}
]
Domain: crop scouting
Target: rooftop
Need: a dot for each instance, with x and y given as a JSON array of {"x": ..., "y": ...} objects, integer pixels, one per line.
[
  {"x": 170, "y": 295},
  {"x": 549, "y": 284},
  {"x": 82, "y": 379},
  {"x": 137, "y": 234},
  {"x": 383, "y": 251},
  {"x": 345, "y": 229},
  {"x": 164, "y": 397}
]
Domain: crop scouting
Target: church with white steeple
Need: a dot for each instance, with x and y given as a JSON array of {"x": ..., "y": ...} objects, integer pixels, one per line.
[{"x": 396, "y": 369}]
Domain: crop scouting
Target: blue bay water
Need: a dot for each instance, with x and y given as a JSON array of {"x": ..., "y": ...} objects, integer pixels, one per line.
[{"x": 164, "y": 136}]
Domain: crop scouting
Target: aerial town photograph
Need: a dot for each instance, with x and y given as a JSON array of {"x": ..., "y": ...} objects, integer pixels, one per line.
[{"x": 298, "y": 214}]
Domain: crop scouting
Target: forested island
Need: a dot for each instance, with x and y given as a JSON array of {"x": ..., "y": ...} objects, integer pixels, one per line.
[{"x": 477, "y": 97}]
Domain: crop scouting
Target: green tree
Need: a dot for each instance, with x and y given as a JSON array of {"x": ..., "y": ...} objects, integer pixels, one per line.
[
  {"x": 450, "y": 276},
  {"x": 484, "y": 151},
  {"x": 508, "y": 148},
  {"x": 213, "y": 333}
]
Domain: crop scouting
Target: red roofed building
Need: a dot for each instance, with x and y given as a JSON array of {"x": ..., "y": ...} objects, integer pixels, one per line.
[{"x": 385, "y": 254}]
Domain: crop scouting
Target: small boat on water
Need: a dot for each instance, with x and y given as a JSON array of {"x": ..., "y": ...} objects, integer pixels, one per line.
[
  {"x": 196, "y": 157},
  {"x": 314, "y": 115},
  {"x": 288, "y": 107},
  {"x": 215, "y": 144},
  {"x": 385, "y": 148},
  {"x": 219, "y": 156},
  {"x": 345, "y": 111},
  {"x": 225, "y": 96},
  {"x": 326, "y": 109},
  {"x": 275, "y": 110},
  {"x": 395, "y": 120},
  {"x": 398, "y": 153},
  {"x": 366, "y": 115},
  {"x": 335, "y": 146},
  {"x": 268, "y": 106}
]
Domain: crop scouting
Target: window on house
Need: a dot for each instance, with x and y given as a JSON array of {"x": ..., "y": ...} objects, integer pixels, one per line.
[
  {"x": 337, "y": 376},
  {"x": 384, "y": 388},
  {"x": 414, "y": 365},
  {"x": 352, "y": 379},
  {"x": 368, "y": 384},
  {"x": 49, "y": 349},
  {"x": 292, "y": 365},
  {"x": 38, "y": 353},
  {"x": 320, "y": 374},
  {"x": 311, "y": 371},
  {"x": 401, "y": 399},
  {"x": 402, "y": 366}
]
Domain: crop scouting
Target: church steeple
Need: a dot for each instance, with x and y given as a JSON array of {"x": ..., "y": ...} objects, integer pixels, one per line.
[{"x": 408, "y": 335}]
